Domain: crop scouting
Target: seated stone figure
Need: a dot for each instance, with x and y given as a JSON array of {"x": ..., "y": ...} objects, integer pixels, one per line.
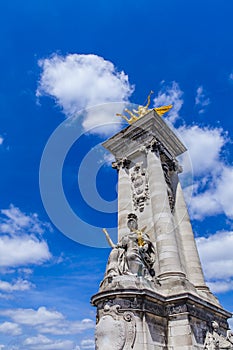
[{"x": 133, "y": 255}]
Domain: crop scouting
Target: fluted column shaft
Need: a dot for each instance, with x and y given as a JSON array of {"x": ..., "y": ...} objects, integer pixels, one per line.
[
  {"x": 167, "y": 249},
  {"x": 190, "y": 253},
  {"x": 124, "y": 200}
]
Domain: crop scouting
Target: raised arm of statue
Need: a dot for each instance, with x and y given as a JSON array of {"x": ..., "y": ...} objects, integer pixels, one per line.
[{"x": 148, "y": 99}]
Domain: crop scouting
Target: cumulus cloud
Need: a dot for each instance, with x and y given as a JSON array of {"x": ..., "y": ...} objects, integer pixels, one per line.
[
  {"x": 217, "y": 260},
  {"x": 201, "y": 100},
  {"x": 77, "y": 82},
  {"x": 49, "y": 325},
  {"x": 20, "y": 241},
  {"x": 66, "y": 327},
  {"x": 19, "y": 285},
  {"x": 13, "y": 221},
  {"x": 41, "y": 342},
  {"x": 211, "y": 194},
  {"x": 217, "y": 198},
  {"x": 204, "y": 145},
  {"x": 10, "y": 328},
  {"x": 18, "y": 251},
  {"x": 1, "y": 140},
  {"x": 33, "y": 317},
  {"x": 48, "y": 321},
  {"x": 170, "y": 94}
]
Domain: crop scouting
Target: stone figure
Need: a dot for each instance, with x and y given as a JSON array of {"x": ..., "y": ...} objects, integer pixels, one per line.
[
  {"x": 133, "y": 255},
  {"x": 216, "y": 341}
]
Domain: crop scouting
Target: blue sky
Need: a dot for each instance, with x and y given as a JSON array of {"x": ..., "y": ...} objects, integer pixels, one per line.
[{"x": 183, "y": 52}]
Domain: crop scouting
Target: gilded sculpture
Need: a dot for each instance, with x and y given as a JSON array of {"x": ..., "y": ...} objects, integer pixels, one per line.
[{"x": 143, "y": 110}]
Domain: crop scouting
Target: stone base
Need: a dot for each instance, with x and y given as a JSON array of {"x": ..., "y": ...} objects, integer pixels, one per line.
[{"x": 138, "y": 318}]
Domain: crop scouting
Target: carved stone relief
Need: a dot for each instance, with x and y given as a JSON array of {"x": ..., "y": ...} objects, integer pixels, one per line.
[
  {"x": 116, "y": 329},
  {"x": 140, "y": 187},
  {"x": 121, "y": 163},
  {"x": 170, "y": 192}
]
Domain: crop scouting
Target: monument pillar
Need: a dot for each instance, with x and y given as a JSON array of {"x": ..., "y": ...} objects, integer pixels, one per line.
[
  {"x": 167, "y": 250},
  {"x": 153, "y": 295},
  {"x": 192, "y": 260},
  {"x": 124, "y": 194}
]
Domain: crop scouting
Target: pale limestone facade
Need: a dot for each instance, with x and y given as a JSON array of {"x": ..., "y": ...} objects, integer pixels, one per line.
[{"x": 171, "y": 308}]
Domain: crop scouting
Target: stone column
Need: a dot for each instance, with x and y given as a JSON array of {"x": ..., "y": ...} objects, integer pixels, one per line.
[
  {"x": 124, "y": 198},
  {"x": 191, "y": 256},
  {"x": 167, "y": 249}
]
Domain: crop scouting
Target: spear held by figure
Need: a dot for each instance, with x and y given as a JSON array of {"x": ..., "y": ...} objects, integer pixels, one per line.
[{"x": 110, "y": 242}]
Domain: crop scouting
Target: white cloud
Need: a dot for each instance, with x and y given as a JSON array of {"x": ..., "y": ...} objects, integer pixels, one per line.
[
  {"x": 212, "y": 194},
  {"x": 67, "y": 327},
  {"x": 217, "y": 198},
  {"x": 224, "y": 190},
  {"x": 19, "y": 285},
  {"x": 39, "y": 339},
  {"x": 1, "y": 140},
  {"x": 41, "y": 342},
  {"x": 203, "y": 205},
  {"x": 220, "y": 286},
  {"x": 217, "y": 260},
  {"x": 201, "y": 100},
  {"x": 48, "y": 321},
  {"x": 13, "y": 221},
  {"x": 170, "y": 94},
  {"x": 10, "y": 328},
  {"x": 204, "y": 145},
  {"x": 23, "y": 250},
  {"x": 32, "y": 317},
  {"x": 81, "y": 81},
  {"x": 87, "y": 344},
  {"x": 20, "y": 240}
]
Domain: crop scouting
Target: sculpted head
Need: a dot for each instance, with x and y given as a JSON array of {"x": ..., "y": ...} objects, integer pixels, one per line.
[
  {"x": 215, "y": 326},
  {"x": 132, "y": 222}
]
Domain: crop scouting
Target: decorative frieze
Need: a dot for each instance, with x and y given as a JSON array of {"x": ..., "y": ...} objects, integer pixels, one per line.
[
  {"x": 140, "y": 187},
  {"x": 121, "y": 163}
]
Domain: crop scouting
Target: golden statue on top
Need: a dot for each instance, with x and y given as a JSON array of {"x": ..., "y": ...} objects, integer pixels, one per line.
[{"x": 142, "y": 110}]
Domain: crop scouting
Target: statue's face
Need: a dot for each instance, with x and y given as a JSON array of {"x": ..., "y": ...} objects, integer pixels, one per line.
[
  {"x": 215, "y": 325},
  {"x": 132, "y": 225}
]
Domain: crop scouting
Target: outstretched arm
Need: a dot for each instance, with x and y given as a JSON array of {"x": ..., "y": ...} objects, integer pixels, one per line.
[{"x": 148, "y": 99}]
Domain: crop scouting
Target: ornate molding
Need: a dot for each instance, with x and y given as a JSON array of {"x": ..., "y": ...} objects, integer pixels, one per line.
[
  {"x": 170, "y": 191},
  {"x": 116, "y": 328},
  {"x": 140, "y": 187},
  {"x": 121, "y": 163}
]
